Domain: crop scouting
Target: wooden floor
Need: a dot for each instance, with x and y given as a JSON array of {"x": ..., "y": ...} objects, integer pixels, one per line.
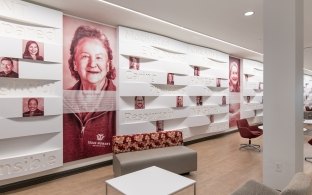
[{"x": 221, "y": 169}]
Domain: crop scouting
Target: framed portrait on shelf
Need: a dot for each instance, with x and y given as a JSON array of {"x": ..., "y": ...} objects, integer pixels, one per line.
[
  {"x": 9, "y": 67},
  {"x": 33, "y": 50},
  {"x": 33, "y": 106}
]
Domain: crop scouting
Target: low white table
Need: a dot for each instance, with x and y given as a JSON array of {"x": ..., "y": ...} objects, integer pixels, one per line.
[{"x": 150, "y": 181}]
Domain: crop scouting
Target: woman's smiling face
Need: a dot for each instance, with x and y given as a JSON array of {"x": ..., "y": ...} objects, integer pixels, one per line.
[{"x": 91, "y": 60}]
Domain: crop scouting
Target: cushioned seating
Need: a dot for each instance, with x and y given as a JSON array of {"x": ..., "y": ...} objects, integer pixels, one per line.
[
  {"x": 162, "y": 149},
  {"x": 299, "y": 185},
  {"x": 249, "y": 132},
  {"x": 309, "y": 158}
]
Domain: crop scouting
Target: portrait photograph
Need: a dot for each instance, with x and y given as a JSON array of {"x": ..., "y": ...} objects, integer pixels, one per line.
[
  {"x": 170, "y": 79},
  {"x": 234, "y": 74},
  {"x": 139, "y": 102},
  {"x": 211, "y": 118},
  {"x": 160, "y": 125},
  {"x": 196, "y": 71},
  {"x": 33, "y": 106},
  {"x": 134, "y": 63},
  {"x": 89, "y": 73},
  {"x": 218, "y": 82},
  {"x": 33, "y": 50},
  {"x": 223, "y": 100},
  {"x": 199, "y": 100},
  {"x": 9, "y": 67},
  {"x": 248, "y": 99},
  {"x": 179, "y": 101}
]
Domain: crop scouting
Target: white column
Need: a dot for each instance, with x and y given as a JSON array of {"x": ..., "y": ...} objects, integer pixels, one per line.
[{"x": 283, "y": 91}]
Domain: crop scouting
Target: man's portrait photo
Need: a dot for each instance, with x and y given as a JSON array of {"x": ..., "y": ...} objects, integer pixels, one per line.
[
  {"x": 8, "y": 67},
  {"x": 139, "y": 102},
  {"x": 159, "y": 125}
]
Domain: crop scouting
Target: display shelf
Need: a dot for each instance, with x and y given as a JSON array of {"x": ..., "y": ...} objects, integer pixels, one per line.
[
  {"x": 217, "y": 88},
  {"x": 32, "y": 143},
  {"x": 208, "y": 110},
  {"x": 47, "y": 50},
  {"x": 128, "y": 116},
  {"x": 145, "y": 89},
  {"x": 192, "y": 121},
  {"x": 31, "y": 126},
  {"x": 21, "y": 7},
  {"x": 160, "y": 98},
  {"x": 149, "y": 102},
  {"x": 202, "y": 67},
  {"x": 169, "y": 50},
  {"x": 14, "y": 107},
  {"x": 139, "y": 51},
  {"x": 30, "y": 163},
  {"x": 160, "y": 65},
  {"x": 19, "y": 146},
  {"x": 219, "y": 126},
  {"x": 219, "y": 61},
  {"x": 259, "y": 69},
  {"x": 252, "y": 89},
  {"x": 249, "y": 74}
]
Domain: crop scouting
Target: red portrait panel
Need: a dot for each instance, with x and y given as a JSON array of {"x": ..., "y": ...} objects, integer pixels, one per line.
[{"x": 89, "y": 76}]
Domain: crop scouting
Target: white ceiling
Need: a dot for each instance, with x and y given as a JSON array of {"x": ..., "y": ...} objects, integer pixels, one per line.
[{"x": 222, "y": 19}]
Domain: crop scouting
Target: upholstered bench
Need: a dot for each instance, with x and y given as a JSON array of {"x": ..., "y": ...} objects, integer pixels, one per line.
[{"x": 163, "y": 149}]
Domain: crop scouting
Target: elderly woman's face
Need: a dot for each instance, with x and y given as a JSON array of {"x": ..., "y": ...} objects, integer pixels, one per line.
[
  {"x": 33, "y": 49},
  {"x": 234, "y": 74},
  {"x": 91, "y": 60}
]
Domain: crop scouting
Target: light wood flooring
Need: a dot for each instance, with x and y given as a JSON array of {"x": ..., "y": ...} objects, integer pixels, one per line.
[{"x": 222, "y": 167}]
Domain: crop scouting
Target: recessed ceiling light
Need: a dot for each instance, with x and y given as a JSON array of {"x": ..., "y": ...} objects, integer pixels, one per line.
[{"x": 249, "y": 13}]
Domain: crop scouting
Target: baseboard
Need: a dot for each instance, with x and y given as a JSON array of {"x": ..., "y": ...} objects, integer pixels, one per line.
[{"x": 209, "y": 137}]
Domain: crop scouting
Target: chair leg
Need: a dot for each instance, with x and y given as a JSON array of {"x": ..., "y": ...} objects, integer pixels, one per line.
[
  {"x": 309, "y": 159},
  {"x": 250, "y": 146}
]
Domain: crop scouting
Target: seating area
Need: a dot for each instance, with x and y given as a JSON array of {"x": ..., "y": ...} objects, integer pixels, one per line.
[
  {"x": 249, "y": 132},
  {"x": 309, "y": 158},
  {"x": 299, "y": 185},
  {"x": 163, "y": 149}
]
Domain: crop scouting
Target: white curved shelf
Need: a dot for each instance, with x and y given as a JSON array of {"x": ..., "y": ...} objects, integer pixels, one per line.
[{"x": 169, "y": 50}]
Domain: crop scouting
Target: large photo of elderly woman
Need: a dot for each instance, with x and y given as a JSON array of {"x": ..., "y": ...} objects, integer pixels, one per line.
[
  {"x": 234, "y": 75},
  {"x": 89, "y": 76}
]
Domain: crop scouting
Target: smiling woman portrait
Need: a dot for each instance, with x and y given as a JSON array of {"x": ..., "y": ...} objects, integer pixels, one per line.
[
  {"x": 89, "y": 128},
  {"x": 32, "y": 50},
  {"x": 234, "y": 75}
]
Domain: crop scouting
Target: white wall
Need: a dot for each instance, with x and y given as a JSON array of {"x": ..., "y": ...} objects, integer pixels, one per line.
[
  {"x": 30, "y": 144},
  {"x": 252, "y": 87},
  {"x": 159, "y": 56}
]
